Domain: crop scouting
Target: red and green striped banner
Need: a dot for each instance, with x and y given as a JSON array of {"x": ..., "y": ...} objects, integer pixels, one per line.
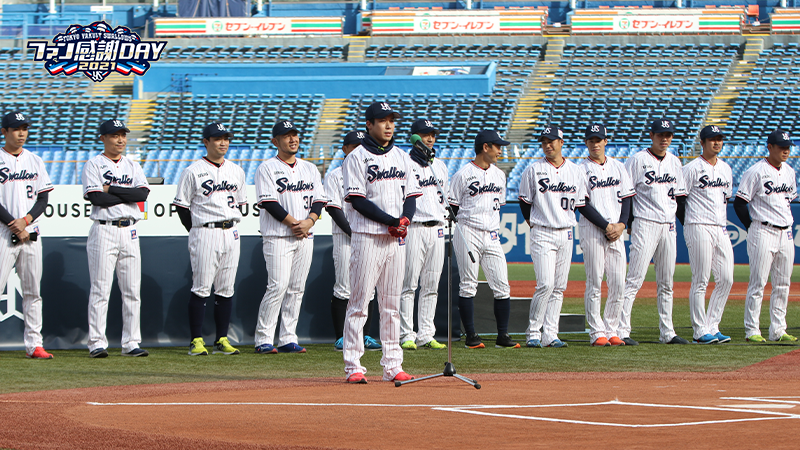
[{"x": 230, "y": 26}]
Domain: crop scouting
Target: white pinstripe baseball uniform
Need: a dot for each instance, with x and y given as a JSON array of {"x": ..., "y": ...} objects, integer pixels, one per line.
[
  {"x": 553, "y": 193},
  {"x": 768, "y": 192},
  {"x": 114, "y": 248},
  {"x": 295, "y": 187},
  {"x": 657, "y": 183},
  {"x": 479, "y": 194},
  {"x": 213, "y": 194},
  {"x": 708, "y": 188},
  {"x": 424, "y": 254},
  {"x": 377, "y": 259},
  {"x": 23, "y": 178},
  {"x": 606, "y": 185}
]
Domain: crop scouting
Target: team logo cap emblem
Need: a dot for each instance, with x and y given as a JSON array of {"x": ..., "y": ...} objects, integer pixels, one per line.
[
  {"x": 216, "y": 129},
  {"x": 112, "y": 126},
  {"x": 15, "y": 119},
  {"x": 662, "y": 126},
  {"x": 282, "y": 127}
]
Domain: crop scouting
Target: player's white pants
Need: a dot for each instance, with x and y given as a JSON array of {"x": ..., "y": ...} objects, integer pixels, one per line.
[
  {"x": 288, "y": 262},
  {"x": 111, "y": 248},
  {"x": 376, "y": 261},
  {"x": 28, "y": 259},
  {"x": 341, "y": 265},
  {"x": 551, "y": 252},
  {"x": 214, "y": 253},
  {"x": 424, "y": 260},
  {"x": 487, "y": 252},
  {"x": 710, "y": 251},
  {"x": 771, "y": 252},
  {"x": 601, "y": 256},
  {"x": 649, "y": 240}
]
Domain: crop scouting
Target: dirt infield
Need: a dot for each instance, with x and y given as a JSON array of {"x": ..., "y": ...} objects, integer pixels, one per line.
[
  {"x": 680, "y": 289},
  {"x": 747, "y": 408}
]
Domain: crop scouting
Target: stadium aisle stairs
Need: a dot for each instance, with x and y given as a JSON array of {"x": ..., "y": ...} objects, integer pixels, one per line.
[
  {"x": 530, "y": 104},
  {"x": 115, "y": 84},
  {"x": 355, "y": 49},
  {"x": 140, "y": 120},
  {"x": 331, "y": 123}
]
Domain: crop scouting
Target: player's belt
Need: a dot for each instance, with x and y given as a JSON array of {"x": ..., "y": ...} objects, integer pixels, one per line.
[
  {"x": 774, "y": 226},
  {"x": 225, "y": 224},
  {"x": 430, "y": 223},
  {"x": 118, "y": 223}
]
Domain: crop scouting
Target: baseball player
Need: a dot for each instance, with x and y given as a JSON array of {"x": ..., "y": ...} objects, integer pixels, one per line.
[
  {"x": 210, "y": 192},
  {"x": 23, "y": 198},
  {"x": 424, "y": 243},
  {"x": 477, "y": 191},
  {"x": 379, "y": 184},
  {"x": 609, "y": 191},
  {"x": 762, "y": 204},
  {"x": 291, "y": 191},
  {"x": 549, "y": 191},
  {"x": 114, "y": 185},
  {"x": 336, "y": 207},
  {"x": 657, "y": 177},
  {"x": 709, "y": 184}
]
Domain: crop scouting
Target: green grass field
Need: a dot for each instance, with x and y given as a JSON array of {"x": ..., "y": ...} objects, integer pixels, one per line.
[{"x": 74, "y": 368}]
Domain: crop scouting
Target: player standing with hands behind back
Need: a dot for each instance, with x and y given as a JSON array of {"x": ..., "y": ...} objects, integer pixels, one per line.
[
  {"x": 23, "y": 198},
  {"x": 114, "y": 185}
]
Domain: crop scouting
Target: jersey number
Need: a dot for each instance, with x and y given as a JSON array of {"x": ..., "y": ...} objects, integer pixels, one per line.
[
  {"x": 231, "y": 202},
  {"x": 30, "y": 191},
  {"x": 567, "y": 204},
  {"x": 671, "y": 194},
  {"x": 309, "y": 200},
  {"x": 496, "y": 205}
]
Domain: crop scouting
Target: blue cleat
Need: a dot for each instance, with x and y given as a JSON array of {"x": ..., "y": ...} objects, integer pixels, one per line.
[
  {"x": 371, "y": 344},
  {"x": 722, "y": 338},
  {"x": 339, "y": 344},
  {"x": 706, "y": 339},
  {"x": 265, "y": 349},
  {"x": 558, "y": 343},
  {"x": 291, "y": 348},
  {"x": 535, "y": 343}
]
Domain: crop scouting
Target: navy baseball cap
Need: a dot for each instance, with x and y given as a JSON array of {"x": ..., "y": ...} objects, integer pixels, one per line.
[
  {"x": 595, "y": 130},
  {"x": 488, "y": 136},
  {"x": 379, "y": 110},
  {"x": 353, "y": 137},
  {"x": 15, "y": 119},
  {"x": 216, "y": 129},
  {"x": 112, "y": 126},
  {"x": 710, "y": 131},
  {"x": 423, "y": 126},
  {"x": 780, "y": 138},
  {"x": 552, "y": 133},
  {"x": 662, "y": 126},
  {"x": 283, "y": 127}
]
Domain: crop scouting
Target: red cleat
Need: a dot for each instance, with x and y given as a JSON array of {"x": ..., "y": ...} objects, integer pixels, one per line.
[
  {"x": 615, "y": 341},
  {"x": 39, "y": 353},
  {"x": 402, "y": 376},
  {"x": 357, "y": 378},
  {"x": 601, "y": 342}
]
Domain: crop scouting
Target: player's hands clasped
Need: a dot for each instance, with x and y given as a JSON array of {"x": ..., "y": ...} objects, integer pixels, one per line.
[
  {"x": 17, "y": 226},
  {"x": 614, "y": 231},
  {"x": 401, "y": 229},
  {"x": 300, "y": 229}
]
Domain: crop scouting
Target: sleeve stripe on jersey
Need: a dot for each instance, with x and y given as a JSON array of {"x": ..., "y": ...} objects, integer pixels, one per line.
[
  {"x": 415, "y": 194},
  {"x": 46, "y": 190},
  {"x": 523, "y": 200},
  {"x": 631, "y": 195},
  {"x": 181, "y": 204},
  {"x": 347, "y": 197}
]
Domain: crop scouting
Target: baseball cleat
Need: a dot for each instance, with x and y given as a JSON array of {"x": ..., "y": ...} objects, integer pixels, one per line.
[
  {"x": 722, "y": 338},
  {"x": 615, "y": 341},
  {"x": 198, "y": 347},
  {"x": 291, "y": 348},
  {"x": 757, "y": 338},
  {"x": 557, "y": 343},
  {"x": 135, "y": 352},
  {"x": 473, "y": 341},
  {"x": 601, "y": 342},
  {"x": 678, "y": 341},
  {"x": 224, "y": 346},
  {"x": 787, "y": 338},
  {"x": 339, "y": 344},
  {"x": 505, "y": 341},
  {"x": 629, "y": 341},
  {"x": 98, "y": 353},
  {"x": 706, "y": 339},
  {"x": 371, "y": 344},
  {"x": 408, "y": 345},
  {"x": 402, "y": 376},
  {"x": 40, "y": 353},
  {"x": 266, "y": 349},
  {"x": 535, "y": 343},
  {"x": 434, "y": 344},
  {"x": 357, "y": 378}
]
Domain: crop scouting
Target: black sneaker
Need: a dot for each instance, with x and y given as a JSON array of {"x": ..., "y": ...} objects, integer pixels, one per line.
[
  {"x": 678, "y": 340},
  {"x": 473, "y": 341},
  {"x": 505, "y": 341},
  {"x": 98, "y": 353},
  {"x": 629, "y": 341}
]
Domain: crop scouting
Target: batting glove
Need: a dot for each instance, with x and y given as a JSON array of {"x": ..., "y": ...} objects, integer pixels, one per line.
[{"x": 401, "y": 229}]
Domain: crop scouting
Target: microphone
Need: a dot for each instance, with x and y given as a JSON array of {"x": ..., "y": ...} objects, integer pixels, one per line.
[{"x": 427, "y": 153}]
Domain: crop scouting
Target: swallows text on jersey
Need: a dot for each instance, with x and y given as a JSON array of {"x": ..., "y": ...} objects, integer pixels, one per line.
[
  {"x": 595, "y": 183},
  {"x": 374, "y": 173},
  {"x": 544, "y": 186},
  {"x": 300, "y": 186},
  {"x": 705, "y": 182},
  {"x": 651, "y": 178},
  {"x": 209, "y": 187},
  {"x": 24, "y": 175},
  {"x": 769, "y": 188},
  {"x": 426, "y": 182},
  {"x": 475, "y": 188},
  {"x": 123, "y": 180}
]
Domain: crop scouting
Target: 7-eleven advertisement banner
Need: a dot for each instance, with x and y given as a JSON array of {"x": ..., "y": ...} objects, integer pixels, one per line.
[
  {"x": 662, "y": 23},
  {"x": 453, "y": 22},
  {"x": 238, "y": 26}
]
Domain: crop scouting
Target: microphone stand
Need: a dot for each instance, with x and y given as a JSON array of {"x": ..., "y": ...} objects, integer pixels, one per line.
[{"x": 449, "y": 368}]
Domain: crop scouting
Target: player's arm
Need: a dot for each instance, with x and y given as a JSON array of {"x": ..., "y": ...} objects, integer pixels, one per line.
[
  {"x": 129, "y": 195},
  {"x": 302, "y": 227},
  {"x": 526, "y": 194},
  {"x": 339, "y": 219},
  {"x": 594, "y": 216},
  {"x": 185, "y": 215},
  {"x": 742, "y": 212},
  {"x": 371, "y": 211},
  {"x": 103, "y": 199},
  {"x": 525, "y": 208}
]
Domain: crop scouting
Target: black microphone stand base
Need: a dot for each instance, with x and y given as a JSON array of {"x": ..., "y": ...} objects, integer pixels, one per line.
[{"x": 449, "y": 371}]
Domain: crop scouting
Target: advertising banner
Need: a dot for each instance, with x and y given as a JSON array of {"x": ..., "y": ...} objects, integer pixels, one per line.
[{"x": 237, "y": 26}]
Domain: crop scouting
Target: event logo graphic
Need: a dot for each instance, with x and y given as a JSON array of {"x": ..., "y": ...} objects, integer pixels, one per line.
[
  {"x": 96, "y": 50},
  {"x": 13, "y": 287}
]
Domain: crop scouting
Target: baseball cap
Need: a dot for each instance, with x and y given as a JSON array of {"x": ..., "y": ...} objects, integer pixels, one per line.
[
  {"x": 15, "y": 119},
  {"x": 282, "y": 127},
  {"x": 216, "y": 129},
  {"x": 595, "y": 130},
  {"x": 379, "y": 110},
  {"x": 353, "y": 137},
  {"x": 488, "y": 136},
  {"x": 423, "y": 126},
  {"x": 710, "y": 131},
  {"x": 779, "y": 138},
  {"x": 662, "y": 126},
  {"x": 552, "y": 133},
  {"x": 112, "y": 126}
]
